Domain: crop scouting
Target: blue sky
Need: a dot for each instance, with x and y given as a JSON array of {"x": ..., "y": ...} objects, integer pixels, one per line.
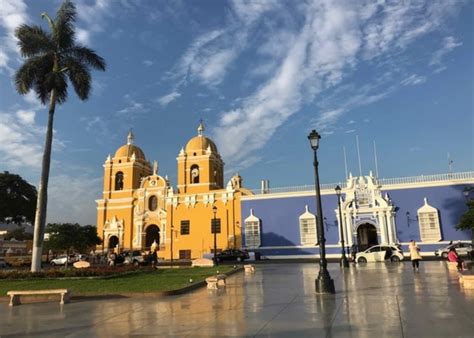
[{"x": 261, "y": 74}]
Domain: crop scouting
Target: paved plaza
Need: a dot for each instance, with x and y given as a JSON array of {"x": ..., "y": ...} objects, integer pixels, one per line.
[{"x": 278, "y": 300}]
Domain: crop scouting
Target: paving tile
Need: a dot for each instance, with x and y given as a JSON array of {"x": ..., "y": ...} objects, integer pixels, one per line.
[{"x": 278, "y": 300}]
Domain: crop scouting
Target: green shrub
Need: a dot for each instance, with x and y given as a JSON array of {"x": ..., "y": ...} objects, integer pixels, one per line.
[{"x": 103, "y": 271}]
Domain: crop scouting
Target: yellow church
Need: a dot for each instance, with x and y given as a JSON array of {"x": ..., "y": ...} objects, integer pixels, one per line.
[{"x": 139, "y": 206}]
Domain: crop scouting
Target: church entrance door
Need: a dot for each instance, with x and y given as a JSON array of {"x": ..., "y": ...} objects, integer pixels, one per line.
[
  {"x": 152, "y": 234},
  {"x": 113, "y": 241},
  {"x": 366, "y": 236}
]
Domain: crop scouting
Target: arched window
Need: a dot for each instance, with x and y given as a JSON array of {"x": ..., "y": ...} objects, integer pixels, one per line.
[
  {"x": 119, "y": 181},
  {"x": 152, "y": 203},
  {"x": 308, "y": 228},
  {"x": 194, "y": 174}
]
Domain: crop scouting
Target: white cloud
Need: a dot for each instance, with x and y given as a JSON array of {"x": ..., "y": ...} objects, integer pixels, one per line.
[
  {"x": 449, "y": 43},
  {"x": 147, "y": 63},
  {"x": 71, "y": 198},
  {"x": 20, "y": 140},
  {"x": 168, "y": 98},
  {"x": 26, "y": 117},
  {"x": 208, "y": 58},
  {"x": 132, "y": 108},
  {"x": 12, "y": 14},
  {"x": 212, "y": 72},
  {"x": 83, "y": 36},
  {"x": 413, "y": 79},
  {"x": 31, "y": 98},
  {"x": 92, "y": 17},
  {"x": 3, "y": 59}
]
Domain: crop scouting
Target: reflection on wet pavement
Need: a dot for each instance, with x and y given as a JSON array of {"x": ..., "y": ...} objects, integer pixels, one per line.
[{"x": 375, "y": 300}]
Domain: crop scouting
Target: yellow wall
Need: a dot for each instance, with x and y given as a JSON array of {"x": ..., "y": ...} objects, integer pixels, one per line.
[{"x": 200, "y": 240}]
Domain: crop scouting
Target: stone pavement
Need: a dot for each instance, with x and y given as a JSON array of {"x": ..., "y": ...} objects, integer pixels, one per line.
[{"x": 375, "y": 300}]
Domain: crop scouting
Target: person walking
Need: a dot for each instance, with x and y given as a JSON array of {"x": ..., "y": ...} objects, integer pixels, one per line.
[
  {"x": 414, "y": 255},
  {"x": 154, "y": 259}
]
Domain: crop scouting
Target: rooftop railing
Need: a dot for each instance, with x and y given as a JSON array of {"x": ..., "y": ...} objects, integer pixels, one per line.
[{"x": 383, "y": 181}]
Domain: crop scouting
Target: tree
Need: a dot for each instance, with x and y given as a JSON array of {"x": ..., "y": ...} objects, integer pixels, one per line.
[
  {"x": 19, "y": 234},
  {"x": 51, "y": 59},
  {"x": 17, "y": 199},
  {"x": 466, "y": 221},
  {"x": 67, "y": 236}
]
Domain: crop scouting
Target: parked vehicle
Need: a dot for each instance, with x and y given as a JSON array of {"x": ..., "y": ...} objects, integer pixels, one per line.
[
  {"x": 380, "y": 253},
  {"x": 3, "y": 265},
  {"x": 61, "y": 260},
  {"x": 232, "y": 255},
  {"x": 462, "y": 249},
  {"x": 133, "y": 257}
]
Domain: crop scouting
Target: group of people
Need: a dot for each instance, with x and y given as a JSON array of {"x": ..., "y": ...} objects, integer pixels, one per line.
[{"x": 415, "y": 256}]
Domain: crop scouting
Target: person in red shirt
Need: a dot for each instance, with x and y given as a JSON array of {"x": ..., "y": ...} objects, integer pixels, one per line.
[{"x": 454, "y": 258}]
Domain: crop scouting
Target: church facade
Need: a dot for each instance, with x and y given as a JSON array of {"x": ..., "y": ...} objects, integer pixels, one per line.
[{"x": 140, "y": 207}]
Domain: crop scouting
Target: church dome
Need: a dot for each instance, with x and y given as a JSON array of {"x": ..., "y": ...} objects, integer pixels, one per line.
[
  {"x": 200, "y": 143},
  {"x": 127, "y": 150}
]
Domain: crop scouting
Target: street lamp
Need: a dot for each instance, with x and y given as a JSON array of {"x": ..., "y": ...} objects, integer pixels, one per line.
[
  {"x": 324, "y": 283},
  {"x": 344, "y": 261},
  {"x": 214, "y": 230}
]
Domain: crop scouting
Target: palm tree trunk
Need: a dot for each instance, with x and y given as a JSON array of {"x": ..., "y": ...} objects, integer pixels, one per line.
[{"x": 42, "y": 202}]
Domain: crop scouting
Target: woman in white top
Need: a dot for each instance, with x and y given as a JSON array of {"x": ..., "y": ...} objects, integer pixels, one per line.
[{"x": 414, "y": 255}]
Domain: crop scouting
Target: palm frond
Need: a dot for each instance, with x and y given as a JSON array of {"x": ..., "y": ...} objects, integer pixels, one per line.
[
  {"x": 87, "y": 56},
  {"x": 56, "y": 81},
  {"x": 65, "y": 18},
  {"x": 33, "y": 40},
  {"x": 33, "y": 69},
  {"x": 80, "y": 77}
]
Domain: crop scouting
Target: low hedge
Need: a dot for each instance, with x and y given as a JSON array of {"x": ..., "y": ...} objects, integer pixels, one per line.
[{"x": 103, "y": 271}]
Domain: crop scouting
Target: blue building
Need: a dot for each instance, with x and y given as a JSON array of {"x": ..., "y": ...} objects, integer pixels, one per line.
[{"x": 281, "y": 222}]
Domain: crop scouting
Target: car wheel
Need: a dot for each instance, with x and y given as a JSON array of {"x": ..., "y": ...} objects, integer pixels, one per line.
[
  {"x": 444, "y": 255},
  {"x": 53, "y": 264},
  {"x": 395, "y": 259},
  {"x": 239, "y": 259},
  {"x": 135, "y": 263},
  {"x": 361, "y": 260}
]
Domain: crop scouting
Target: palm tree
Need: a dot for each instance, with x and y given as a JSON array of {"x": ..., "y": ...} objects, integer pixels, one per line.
[{"x": 51, "y": 58}]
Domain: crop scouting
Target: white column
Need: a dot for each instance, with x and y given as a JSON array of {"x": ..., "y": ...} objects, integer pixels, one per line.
[
  {"x": 348, "y": 229},
  {"x": 383, "y": 227},
  {"x": 388, "y": 218},
  {"x": 394, "y": 226}
]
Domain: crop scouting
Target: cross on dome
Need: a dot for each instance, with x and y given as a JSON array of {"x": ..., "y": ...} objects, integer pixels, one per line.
[
  {"x": 130, "y": 137},
  {"x": 200, "y": 128}
]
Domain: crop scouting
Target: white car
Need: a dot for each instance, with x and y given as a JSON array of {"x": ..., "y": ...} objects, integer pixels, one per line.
[
  {"x": 380, "y": 253},
  {"x": 462, "y": 249},
  {"x": 61, "y": 260}
]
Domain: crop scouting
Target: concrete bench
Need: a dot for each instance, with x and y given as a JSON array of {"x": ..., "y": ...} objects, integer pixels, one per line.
[
  {"x": 466, "y": 280},
  {"x": 249, "y": 268},
  {"x": 15, "y": 295},
  {"x": 214, "y": 282}
]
